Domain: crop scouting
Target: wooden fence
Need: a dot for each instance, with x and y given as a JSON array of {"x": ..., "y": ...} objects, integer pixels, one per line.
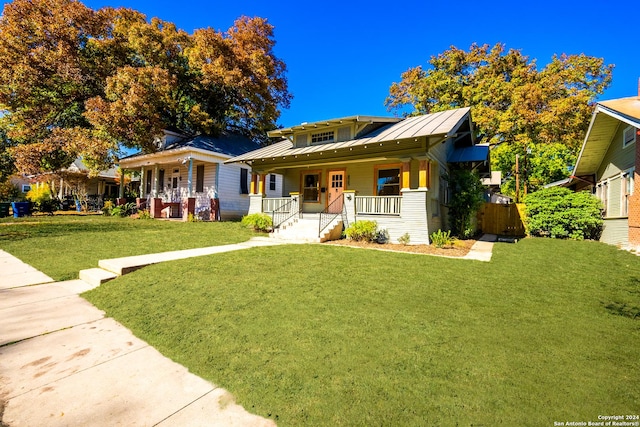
[{"x": 500, "y": 219}]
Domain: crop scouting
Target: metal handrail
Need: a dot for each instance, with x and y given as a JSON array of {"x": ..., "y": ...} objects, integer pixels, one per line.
[
  {"x": 327, "y": 217},
  {"x": 284, "y": 213}
]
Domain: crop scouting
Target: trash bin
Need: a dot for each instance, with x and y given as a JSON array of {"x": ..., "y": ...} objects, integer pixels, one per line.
[
  {"x": 20, "y": 209},
  {"x": 4, "y": 209}
]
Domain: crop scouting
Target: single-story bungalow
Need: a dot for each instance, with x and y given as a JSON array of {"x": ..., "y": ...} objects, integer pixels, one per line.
[
  {"x": 388, "y": 169},
  {"x": 609, "y": 164},
  {"x": 188, "y": 176}
]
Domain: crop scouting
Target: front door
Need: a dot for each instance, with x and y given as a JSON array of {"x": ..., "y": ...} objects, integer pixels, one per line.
[{"x": 334, "y": 193}]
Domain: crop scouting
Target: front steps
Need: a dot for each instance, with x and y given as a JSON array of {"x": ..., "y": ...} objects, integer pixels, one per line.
[{"x": 305, "y": 229}]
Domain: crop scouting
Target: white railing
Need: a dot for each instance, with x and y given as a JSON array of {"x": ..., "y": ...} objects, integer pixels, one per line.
[
  {"x": 378, "y": 205},
  {"x": 274, "y": 204}
]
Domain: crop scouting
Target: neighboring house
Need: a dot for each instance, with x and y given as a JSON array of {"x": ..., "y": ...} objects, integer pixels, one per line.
[
  {"x": 187, "y": 175},
  {"x": 390, "y": 170},
  {"x": 608, "y": 165}
]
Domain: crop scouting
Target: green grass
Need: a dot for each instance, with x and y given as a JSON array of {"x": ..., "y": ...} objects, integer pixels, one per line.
[
  {"x": 325, "y": 335},
  {"x": 61, "y": 246}
]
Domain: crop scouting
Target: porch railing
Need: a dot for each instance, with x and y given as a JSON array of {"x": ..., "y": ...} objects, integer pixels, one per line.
[
  {"x": 378, "y": 205},
  {"x": 329, "y": 214},
  {"x": 272, "y": 204},
  {"x": 283, "y": 212}
]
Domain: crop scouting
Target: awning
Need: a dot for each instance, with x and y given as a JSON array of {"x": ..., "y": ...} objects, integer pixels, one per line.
[{"x": 475, "y": 153}]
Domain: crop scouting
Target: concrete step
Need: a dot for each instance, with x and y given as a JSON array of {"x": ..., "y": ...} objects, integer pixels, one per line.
[{"x": 96, "y": 276}]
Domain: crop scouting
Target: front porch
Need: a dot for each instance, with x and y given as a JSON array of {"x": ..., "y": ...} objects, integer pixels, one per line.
[{"x": 406, "y": 213}]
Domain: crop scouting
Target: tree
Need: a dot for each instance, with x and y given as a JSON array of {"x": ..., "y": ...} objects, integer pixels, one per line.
[
  {"x": 74, "y": 81},
  {"x": 466, "y": 198},
  {"x": 513, "y": 104}
]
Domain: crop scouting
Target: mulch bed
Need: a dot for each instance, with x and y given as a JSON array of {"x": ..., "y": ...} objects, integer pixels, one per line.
[{"x": 459, "y": 248}]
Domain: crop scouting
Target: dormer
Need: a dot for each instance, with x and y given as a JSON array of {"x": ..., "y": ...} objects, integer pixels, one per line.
[
  {"x": 332, "y": 131},
  {"x": 168, "y": 137}
]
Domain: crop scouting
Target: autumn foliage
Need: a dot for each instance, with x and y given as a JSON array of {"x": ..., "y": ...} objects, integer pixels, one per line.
[
  {"x": 76, "y": 81},
  {"x": 515, "y": 105}
]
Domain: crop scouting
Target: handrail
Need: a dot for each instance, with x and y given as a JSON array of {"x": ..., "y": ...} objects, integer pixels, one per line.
[
  {"x": 284, "y": 213},
  {"x": 327, "y": 217}
]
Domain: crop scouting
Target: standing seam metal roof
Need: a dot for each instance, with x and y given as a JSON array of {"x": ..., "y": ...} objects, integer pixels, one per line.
[{"x": 440, "y": 123}]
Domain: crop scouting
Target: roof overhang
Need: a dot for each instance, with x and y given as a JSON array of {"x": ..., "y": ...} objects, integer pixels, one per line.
[
  {"x": 285, "y": 132},
  {"x": 603, "y": 127},
  {"x": 177, "y": 155}
]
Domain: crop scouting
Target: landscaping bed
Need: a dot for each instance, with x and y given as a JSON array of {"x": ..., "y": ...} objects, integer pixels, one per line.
[{"x": 459, "y": 248}]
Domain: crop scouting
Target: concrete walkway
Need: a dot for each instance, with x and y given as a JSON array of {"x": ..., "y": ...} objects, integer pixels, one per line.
[{"x": 63, "y": 363}]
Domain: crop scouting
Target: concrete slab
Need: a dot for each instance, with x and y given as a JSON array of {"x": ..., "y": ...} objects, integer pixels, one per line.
[
  {"x": 23, "y": 279},
  {"x": 29, "y": 294},
  {"x": 96, "y": 276},
  {"x": 42, "y": 317},
  {"x": 140, "y": 388},
  {"x": 480, "y": 251},
  {"x": 217, "y": 408},
  {"x": 34, "y": 363}
]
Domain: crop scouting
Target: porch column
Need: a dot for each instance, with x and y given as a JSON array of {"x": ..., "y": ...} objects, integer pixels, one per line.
[
  {"x": 154, "y": 191},
  {"x": 406, "y": 173},
  {"x": 424, "y": 173},
  {"x": 142, "y": 181},
  {"x": 350, "y": 205},
  {"x": 257, "y": 193},
  {"x": 261, "y": 183},
  {"x": 190, "y": 178},
  {"x": 121, "y": 200},
  {"x": 61, "y": 189}
]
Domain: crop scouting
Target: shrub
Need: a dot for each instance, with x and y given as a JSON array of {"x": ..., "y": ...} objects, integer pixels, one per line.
[
  {"x": 561, "y": 213},
  {"x": 466, "y": 198},
  {"x": 107, "y": 208},
  {"x": 362, "y": 231},
  {"x": 124, "y": 210},
  {"x": 404, "y": 239},
  {"x": 257, "y": 221},
  {"x": 144, "y": 214},
  {"x": 441, "y": 238},
  {"x": 41, "y": 199},
  {"x": 9, "y": 192}
]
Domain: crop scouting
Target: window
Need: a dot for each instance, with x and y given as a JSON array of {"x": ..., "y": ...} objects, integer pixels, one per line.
[
  {"x": 26, "y": 188},
  {"x": 311, "y": 187},
  {"x": 272, "y": 182},
  {"x": 388, "y": 182},
  {"x": 244, "y": 181},
  {"x": 602, "y": 192},
  {"x": 628, "y": 136},
  {"x": 627, "y": 190},
  {"x": 148, "y": 183},
  {"x": 322, "y": 137},
  {"x": 161, "y": 180},
  {"x": 199, "y": 178}
]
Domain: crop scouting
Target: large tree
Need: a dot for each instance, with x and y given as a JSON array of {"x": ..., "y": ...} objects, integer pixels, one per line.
[
  {"x": 74, "y": 81},
  {"x": 515, "y": 105}
]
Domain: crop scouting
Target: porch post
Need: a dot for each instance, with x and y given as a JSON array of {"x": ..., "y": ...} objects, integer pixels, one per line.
[
  {"x": 424, "y": 174},
  {"x": 190, "y": 178},
  {"x": 61, "y": 189},
  {"x": 350, "y": 205},
  {"x": 155, "y": 180},
  {"x": 256, "y": 196},
  {"x": 406, "y": 173},
  {"x": 142, "y": 181},
  {"x": 261, "y": 183}
]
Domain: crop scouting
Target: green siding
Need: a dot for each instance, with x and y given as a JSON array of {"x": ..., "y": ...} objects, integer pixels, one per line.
[
  {"x": 615, "y": 232},
  {"x": 617, "y": 159}
]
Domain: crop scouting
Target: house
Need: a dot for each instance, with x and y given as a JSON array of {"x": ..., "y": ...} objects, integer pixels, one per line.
[
  {"x": 387, "y": 169},
  {"x": 187, "y": 175},
  {"x": 608, "y": 165}
]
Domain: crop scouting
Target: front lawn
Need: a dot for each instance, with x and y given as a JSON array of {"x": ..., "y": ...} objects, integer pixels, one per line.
[
  {"x": 325, "y": 335},
  {"x": 61, "y": 246}
]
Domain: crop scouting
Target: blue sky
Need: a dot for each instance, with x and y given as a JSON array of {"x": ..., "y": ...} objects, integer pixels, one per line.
[{"x": 342, "y": 56}]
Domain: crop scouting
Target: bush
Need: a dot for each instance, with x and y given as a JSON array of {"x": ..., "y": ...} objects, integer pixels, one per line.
[
  {"x": 404, "y": 239},
  {"x": 107, "y": 208},
  {"x": 257, "y": 221},
  {"x": 124, "y": 210},
  {"x": 41, "y": 199},
  {"x": 441, "y": 238},
  {"x": 561, "y": 213},
  {"x": 466, "y": 199},
  {"x": 362, "y": 231},
  {"x": 9, "y": 192}
]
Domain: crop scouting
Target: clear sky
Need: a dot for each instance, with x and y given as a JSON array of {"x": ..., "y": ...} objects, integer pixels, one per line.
[{"x": 342, "y": 56}]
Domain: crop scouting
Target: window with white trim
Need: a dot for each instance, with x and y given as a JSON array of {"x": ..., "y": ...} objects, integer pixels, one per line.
[
  {"x": 628, "y": 136},
  {"x": 602, "y": 192},
  {"x": 322, "y": 137},
  {"x": 26, "y": 188},
  {"x": 627, "y": 190}
]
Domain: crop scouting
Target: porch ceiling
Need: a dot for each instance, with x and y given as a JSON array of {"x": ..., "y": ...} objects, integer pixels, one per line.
[{"x": 390, "y": 138}]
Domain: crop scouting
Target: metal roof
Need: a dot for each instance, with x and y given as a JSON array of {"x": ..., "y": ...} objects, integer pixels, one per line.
[
  {"x": 442, "y": 123},
  {"x": 332, "y": 122},
  {"x": 604, "y": 124}
]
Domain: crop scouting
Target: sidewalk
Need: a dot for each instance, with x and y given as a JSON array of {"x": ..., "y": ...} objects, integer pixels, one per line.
[{"x": 62, "y": 363}]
